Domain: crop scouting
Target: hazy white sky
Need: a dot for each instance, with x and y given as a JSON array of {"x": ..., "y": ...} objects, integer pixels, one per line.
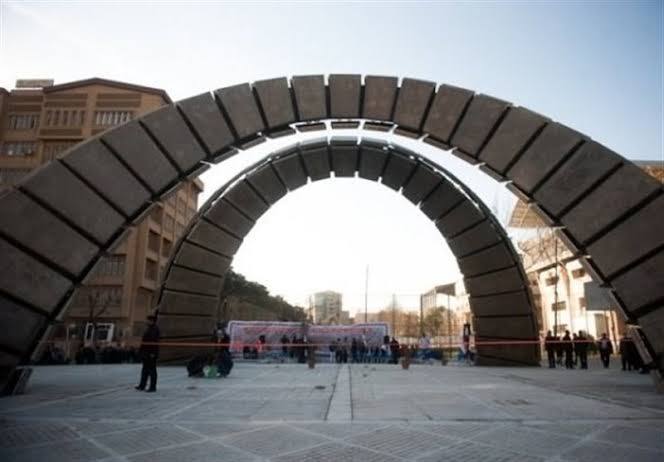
[{"x": 596, "y": 67}]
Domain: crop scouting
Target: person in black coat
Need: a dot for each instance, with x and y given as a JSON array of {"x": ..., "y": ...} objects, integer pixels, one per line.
[
  {"x": 605, "y": 350},
  {"x": 569, "y": 350},
  {"x": 581, "y": 347},
  {"x": 149, "y": 352},
  {"x": 550, "y": 347}
]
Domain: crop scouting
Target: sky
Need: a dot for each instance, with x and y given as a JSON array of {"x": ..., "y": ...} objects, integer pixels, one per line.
[{"x": 594, "y": 66}]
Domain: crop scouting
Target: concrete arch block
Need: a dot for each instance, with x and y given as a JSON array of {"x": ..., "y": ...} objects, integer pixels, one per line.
[
  {"x": 247, "y": 200},
  {"x": 275, "y": 101},
  {"x": 459, "y": 219},
  {"x": 412, "y": 103},
  {"x": 267, "y": 183},
  {"x": 379, "y": 97},
  {"x": 345, "y": 93},
  {"x": 473, "y": 239},
  {"x": 214, "y": 238},
  {"x": 310, "y": 97},
  {"x": 446, "y": 111},
  {"x": 512, "y": 303},
  {"x": 84, "y": 208},
  {"x": 420, "y": 184},
  {"x": 316, "y": 160},
  {"x": 290, "y": 170},
  {"x": 441, "y": 200},
  {"x": 372, "y": 162},
  {"x": 344, "y": 153},
  {"x": 208, "y": 122},
  {"x": 509, "y": 327},
  {"x": 226, "y": 216},
  {"x": 482, "y": 115},
  {"x": 193, "y": 256},
  {"x": 185, "y": 280},
  {"x": 642, "y": 285},
  {"x": 503, "y": 281},
  {"x": 18, "y": 323},
  {"x": 397, "y": 171},
  {"x": 492, "y": 258},
  {"x": 242, "y": 109},
  {"x": 186, "y": 303},
  {"x": 171, "y": 131}
]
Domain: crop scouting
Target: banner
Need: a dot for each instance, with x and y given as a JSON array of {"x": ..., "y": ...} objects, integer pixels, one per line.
[{"x": 246, "y": 333}]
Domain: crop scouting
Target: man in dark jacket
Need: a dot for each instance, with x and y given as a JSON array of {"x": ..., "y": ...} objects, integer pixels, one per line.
[
  {"x": 550, "y": 347},
  {"x": 581, "y": 347},
  {"x": 605, "y": 350},
  {"x": 149, "y": 352},
  {"x": 569, "y": 350}
]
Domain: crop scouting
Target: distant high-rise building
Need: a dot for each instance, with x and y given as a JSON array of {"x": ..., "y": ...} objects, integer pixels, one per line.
[
  {"x": 39, "y": 122},
  {"x": 327, "y": 308}
]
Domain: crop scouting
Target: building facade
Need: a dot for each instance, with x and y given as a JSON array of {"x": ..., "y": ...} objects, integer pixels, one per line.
[
  {"x": 39, "y": 124},
  {"x": 326, "y": 308}
]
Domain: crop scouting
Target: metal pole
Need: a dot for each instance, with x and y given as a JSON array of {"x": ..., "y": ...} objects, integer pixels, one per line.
[
  {"x": 366, "y": 296},
  {"x": 449, "y": 327}
]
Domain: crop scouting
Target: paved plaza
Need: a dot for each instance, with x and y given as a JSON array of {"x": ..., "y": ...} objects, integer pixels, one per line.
[{"x": 334, "y": 413}]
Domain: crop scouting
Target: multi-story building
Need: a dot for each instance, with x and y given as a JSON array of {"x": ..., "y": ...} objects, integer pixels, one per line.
[
  {"x": 326, "y": 308},
  {"x": 41, "y": 122}
]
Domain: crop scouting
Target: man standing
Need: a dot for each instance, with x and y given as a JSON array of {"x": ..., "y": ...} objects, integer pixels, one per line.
[
  {"x": 582, "y": 349},
  {"x": 605, "y": 350},
  {"x": 149, "y": 352},
  {"x": 569, "y": 350},
  {"x": 550, "y": 347}
]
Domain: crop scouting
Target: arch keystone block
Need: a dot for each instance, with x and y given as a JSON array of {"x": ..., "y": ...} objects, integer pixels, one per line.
[
  {"x": 345, "y": 90},
  {"x": 242, "y": 109},
  {"x": 208, "y": 122},
  {"x": 379, "y": 97},
  {"x": 310, "y": 97}
]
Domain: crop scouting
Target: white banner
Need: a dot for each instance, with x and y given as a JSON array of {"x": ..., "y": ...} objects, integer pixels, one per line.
[{"x": 246, "y": 333}]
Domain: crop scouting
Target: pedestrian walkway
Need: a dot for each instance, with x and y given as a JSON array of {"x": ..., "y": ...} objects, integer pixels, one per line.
[{"x": 336, "y": 413}]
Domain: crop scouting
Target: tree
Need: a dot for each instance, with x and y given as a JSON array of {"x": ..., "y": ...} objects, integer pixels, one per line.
[{"x": 98, "y": 303}]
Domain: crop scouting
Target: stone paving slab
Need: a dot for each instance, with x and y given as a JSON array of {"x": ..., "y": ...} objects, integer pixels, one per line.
[{"x": 281, "y": 412}]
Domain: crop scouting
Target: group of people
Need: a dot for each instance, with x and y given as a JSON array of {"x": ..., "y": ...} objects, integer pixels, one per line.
[
  {"x": 359, "y": 350},
  {"x": 573, "y": 350}
]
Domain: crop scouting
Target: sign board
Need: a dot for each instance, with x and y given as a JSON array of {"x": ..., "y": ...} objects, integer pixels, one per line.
[
  {"x": 598, "y": 298},
  {"x": 34, "y": 83}
]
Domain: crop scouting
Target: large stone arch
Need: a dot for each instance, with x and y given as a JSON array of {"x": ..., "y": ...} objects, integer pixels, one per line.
[
  {"x": 496, "y": 283},
  {"x": 80, "y": 205}
]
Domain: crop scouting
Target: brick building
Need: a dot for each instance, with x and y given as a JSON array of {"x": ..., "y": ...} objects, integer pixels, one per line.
[{"x": 40, "y": 121}]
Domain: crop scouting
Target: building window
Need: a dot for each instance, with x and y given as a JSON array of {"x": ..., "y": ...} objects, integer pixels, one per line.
[
  {"x": 559, "y": 306},
  {"x": 12, "y": 175},
  {"x": 23, "y": 122},
  {"x": 52, "y": 150},
  {"x": 111, "y": 266},
  {"x": 561, "y": 328},
  {"x": 582, "y": 302},
  {"x": 551, "y": 281},
  {"x": 169, "y": 222},
  {"x": 65, "y": 118},
  {"x": 153, "y": 241},
  {"x": 110, "y": 118},
  {"x": 155, "y": 215},
  {"x": 578, "y": 273},
  {"x": 166, "y": 247},
  {"x": 19, "y": 148},
  {"x": 151, "y": 269},
  {"x": 179, "y": 229}
]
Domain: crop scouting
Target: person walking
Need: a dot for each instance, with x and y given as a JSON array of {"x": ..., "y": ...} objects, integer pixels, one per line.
[
  {"x": 569, "y": 350},
  {"x": 575, "y": 345},
  {"x": 605, "y": 350},
  {"x": 582, "y": 348},
  {"x": 624, "y": 350},
  {"x": 550, "y": 347},
  {"x": 149, "y": 351}
]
